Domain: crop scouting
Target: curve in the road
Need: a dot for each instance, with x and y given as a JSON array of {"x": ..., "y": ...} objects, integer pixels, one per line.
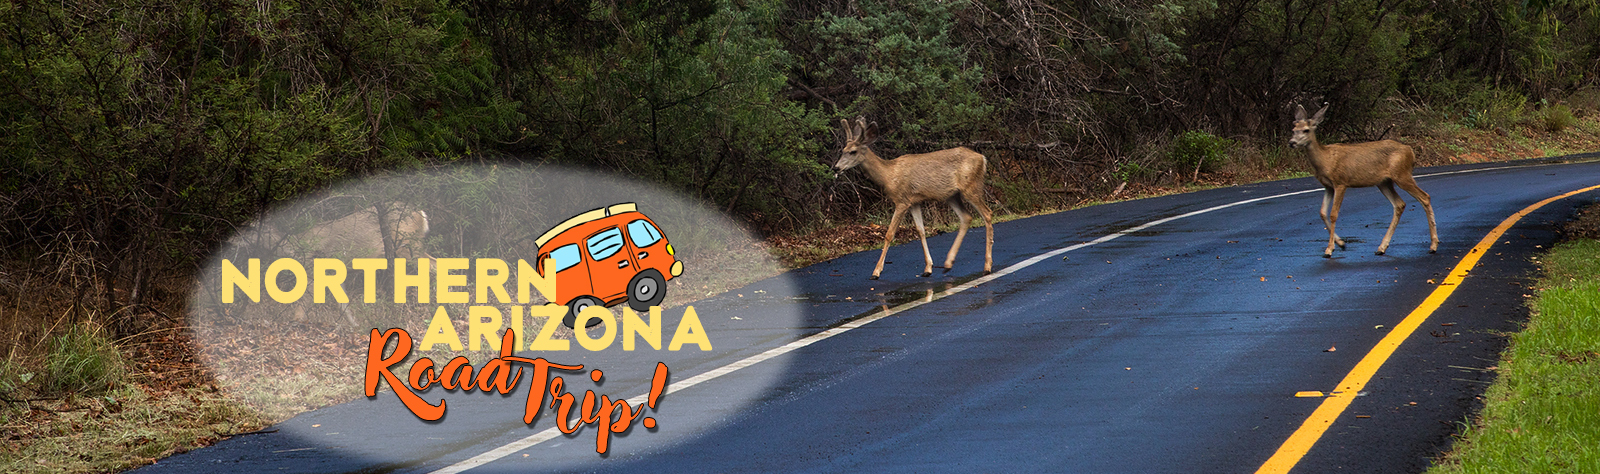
[
  {"x": 1287, "y": 456},
  {"x": 1337, "y": 401}
]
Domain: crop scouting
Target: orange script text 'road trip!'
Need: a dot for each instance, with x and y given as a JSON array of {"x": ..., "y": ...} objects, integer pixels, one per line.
[{"x": 501, "y": 375}]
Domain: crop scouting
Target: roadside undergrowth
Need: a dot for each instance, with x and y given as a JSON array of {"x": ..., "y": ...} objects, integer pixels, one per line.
[{"x": 1542, "y": 415}]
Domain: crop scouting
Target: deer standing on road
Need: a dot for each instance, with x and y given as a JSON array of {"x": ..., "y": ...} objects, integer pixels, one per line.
[
  {"x": 954, "y": 176},
  {"x": 1383, "y": 163}
]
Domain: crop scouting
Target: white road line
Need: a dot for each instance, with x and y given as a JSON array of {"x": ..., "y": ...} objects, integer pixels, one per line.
[{"x": 553, "y": 433}]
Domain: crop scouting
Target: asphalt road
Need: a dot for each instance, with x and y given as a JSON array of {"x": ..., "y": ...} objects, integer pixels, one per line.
[{"x": 1175, "y": 348}]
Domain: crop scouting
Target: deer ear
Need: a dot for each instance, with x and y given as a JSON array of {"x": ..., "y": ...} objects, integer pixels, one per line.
[
  {"x": 849, "y": 134},
  {"x": 1299, "y": 112},
  {"x": 1316, "y": 119},
  {"x": 870, "y": 133}
]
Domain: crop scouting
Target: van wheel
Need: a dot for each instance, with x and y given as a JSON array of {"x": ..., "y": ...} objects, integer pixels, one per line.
[
  {"x": 576, "y": 306},
  {"x": 646, "y": 290}
]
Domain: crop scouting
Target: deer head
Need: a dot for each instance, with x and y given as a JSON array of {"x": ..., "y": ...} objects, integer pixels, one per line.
[
  {"x": 1305, "y": 130},
  {"x": 856, "y": 139}
]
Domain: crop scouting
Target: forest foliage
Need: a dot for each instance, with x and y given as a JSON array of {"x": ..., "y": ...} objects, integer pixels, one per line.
[{"x": 135, "y": 136}]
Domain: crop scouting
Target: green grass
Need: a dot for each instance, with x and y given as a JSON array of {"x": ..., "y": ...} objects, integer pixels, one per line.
[
  {"x": 1543, "y": 413},
  {"x": 83, "y": 360}
]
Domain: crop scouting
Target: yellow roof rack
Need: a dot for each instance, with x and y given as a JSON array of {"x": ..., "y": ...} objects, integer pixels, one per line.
[{"x": 585, "y": 218}]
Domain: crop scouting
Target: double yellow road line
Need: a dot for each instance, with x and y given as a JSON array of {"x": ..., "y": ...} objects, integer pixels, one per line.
[{"x": 1301, "y": 441}]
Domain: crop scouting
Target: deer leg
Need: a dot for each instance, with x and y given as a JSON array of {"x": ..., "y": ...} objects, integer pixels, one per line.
[
  {"x": 1331, "y": 199},
  {"x": 966, "y": 220},
  {"x": 894, "y": 221},
  {"x": 1327, "y": 200},
  {"x": 1410, "y": 185},
  {"x": 1387, "y": 188},
  {"x": 348, "y": 315},
  {"x": 975, "y": 199},
  {"x": 927, "y": 258}
]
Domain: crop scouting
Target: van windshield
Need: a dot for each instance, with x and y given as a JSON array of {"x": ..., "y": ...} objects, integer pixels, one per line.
[
  {"x": 566, "y": 256},
  {"x": 643, "y": 234},
  {"x": 605, "y": 244}
]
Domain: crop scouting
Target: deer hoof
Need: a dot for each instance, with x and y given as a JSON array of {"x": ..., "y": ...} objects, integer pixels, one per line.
[
  {"x": 1380, "y": 252},
  {"x": 1433, "y": 251},
  {"x": 926, "y": 274},
  {"x": 1327, "y": 255},
  {"x": 946, "y": 269},
  {"x": 874, "y": 277}
]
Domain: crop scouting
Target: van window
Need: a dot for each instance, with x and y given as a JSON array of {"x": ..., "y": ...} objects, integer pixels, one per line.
[
  {"x": 566, "y": 256},
  {"x": 643, "y": 234},
  {"x": 605, "y": 244}
]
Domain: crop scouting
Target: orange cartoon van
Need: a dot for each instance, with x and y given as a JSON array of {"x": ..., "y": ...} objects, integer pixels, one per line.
[{"x": 607, "y": 256}]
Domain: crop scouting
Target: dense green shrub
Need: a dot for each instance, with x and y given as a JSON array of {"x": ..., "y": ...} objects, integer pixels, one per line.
[
  {"x": 83, "y": 360},
  {"x": 1489, "y": 109},
  {"x": 1555, "y": 118},
  {"x": 913, "y": 74},
  {"x": 1199, "y": 151},
  {"x": 1131, "y": 170},
  {"x": 143, "y": 132}
]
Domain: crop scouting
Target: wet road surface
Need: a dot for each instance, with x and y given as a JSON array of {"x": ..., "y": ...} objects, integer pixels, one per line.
[{"x": 1174, "y": 348}]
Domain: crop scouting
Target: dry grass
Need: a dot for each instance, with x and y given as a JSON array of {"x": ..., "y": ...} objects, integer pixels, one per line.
[{"x": 127, "y": 427}]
